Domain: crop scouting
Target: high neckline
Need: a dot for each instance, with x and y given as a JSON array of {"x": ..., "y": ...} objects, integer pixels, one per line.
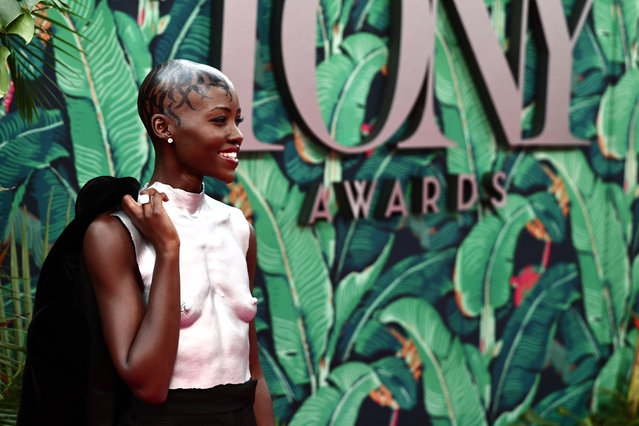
[{"x": 179, "y": 198}]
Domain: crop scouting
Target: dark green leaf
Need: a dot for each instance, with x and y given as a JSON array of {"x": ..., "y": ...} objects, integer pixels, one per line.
[
  {"x": 427, "y": 276},
  {"x": 25, "y": 148},
  {"x": 515, "y": 372},
  {"x": 398, "y": 379},
  {"x": 188, "y": 35},
  {"x": 573, "y": 398}
]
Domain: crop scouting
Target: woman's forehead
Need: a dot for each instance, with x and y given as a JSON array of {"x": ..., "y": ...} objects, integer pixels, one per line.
[{"x": 214, "y": 97}]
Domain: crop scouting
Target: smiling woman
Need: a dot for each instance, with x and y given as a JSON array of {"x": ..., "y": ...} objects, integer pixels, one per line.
[
  {"x": 172, "y": 271},
  {"x": 197, "y": 107},
  {"x": 178, "y": 321}
]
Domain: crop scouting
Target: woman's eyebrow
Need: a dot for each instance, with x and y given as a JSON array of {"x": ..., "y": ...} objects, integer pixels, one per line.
[
  {"x": 222, "y": 108},
  {"x": 239, "y": 110}
]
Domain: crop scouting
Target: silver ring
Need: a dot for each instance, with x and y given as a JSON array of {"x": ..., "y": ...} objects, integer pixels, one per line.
[{"x": 144, "y": 198}]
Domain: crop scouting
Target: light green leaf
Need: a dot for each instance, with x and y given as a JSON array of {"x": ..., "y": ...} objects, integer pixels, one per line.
[
  {"x": 426, "y": 275},
  {"x": 108, "y": 137},
  {"x": 338, "y": 405},
  {"x": 591, "y": 68},
  {"x": 611, "y": 377},
  {"x": 616, "y": 28},
  {"x": 343, "y": 84},
  {"x": 635, "y": 280},
  {"x": 135, "y": 44},
  {"x": 349, "y": 294},
  {"x": 376, "y": 13},
  {"x": 598, "y": 235},
  {"x": 449, "y": 394},
  {"x": 278, "y": 382},
  {"x": 484, "y": 262},
  {"x": 463, "y": 118},
  {"x": 617, "y": 125},
  {"x": 29, "y": 4},
  {"x": 23, "y": 26},
  {"x": 9, "y": 11},
  {"x": 290, "y": 258},
  {"x": 5, "y": 78},
  {"x": 328, "y": 12},
  {"x": 481, "y": 375},
  {"x": 498, "y": 18}
]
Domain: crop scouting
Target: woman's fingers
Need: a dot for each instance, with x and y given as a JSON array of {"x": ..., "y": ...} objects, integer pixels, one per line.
[
  {"x": 150, "y": 218},
  {"x": 146, "y": 213},
  {"x": 152, "y": 192},
  {"x": 149, "y": 196},
  {"x": 130, "y": 207}
]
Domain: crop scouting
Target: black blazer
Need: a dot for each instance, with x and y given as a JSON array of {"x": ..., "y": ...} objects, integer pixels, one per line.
[{"x": 68, "y": 376}]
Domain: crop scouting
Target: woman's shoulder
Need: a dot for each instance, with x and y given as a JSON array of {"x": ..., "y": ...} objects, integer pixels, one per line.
[
  {"x": 107, "y": 228},
  {"x": 108, "y": 244}
]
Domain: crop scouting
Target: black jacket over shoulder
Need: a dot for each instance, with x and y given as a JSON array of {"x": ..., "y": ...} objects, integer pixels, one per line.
[{"x": 69, "y": 377}]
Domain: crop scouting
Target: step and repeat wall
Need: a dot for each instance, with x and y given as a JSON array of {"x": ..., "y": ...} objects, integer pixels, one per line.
[{"x": 444, "y": 192}]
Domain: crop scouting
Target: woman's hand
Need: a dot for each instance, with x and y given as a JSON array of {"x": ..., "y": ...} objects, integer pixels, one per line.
[{"x": 152, "y": 220}]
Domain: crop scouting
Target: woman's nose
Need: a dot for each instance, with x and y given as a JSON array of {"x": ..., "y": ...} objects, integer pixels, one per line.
[{"x": 236, "y": 135}]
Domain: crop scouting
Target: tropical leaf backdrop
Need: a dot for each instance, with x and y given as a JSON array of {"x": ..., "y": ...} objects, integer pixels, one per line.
[{"x": 497, "y": 315}]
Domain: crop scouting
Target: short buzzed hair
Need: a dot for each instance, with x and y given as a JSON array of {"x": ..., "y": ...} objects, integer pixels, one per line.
[{"x": 169, "y": 84}]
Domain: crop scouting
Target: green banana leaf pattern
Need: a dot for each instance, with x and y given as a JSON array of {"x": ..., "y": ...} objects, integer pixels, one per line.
[{"x": 516, "y": 314}]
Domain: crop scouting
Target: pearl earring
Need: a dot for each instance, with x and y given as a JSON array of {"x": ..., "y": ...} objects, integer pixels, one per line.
[{"x": 170, "y": 140}]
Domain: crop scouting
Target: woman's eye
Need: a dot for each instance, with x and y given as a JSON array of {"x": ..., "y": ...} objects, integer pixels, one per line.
[
  {"x": 219, "y": 120},
  {"x": 238, "y": 120}
]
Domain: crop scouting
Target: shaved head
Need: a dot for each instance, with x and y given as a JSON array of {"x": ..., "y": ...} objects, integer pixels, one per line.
[{"x": 168, "y": 87}]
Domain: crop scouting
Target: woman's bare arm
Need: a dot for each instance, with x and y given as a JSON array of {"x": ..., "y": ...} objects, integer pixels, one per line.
[
  {"x": 263, "y": 407},
  {"x": 142, "y": 341}
]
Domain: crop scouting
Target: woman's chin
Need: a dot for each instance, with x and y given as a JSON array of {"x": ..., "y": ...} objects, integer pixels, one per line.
[{"x": 227, "y": 178}]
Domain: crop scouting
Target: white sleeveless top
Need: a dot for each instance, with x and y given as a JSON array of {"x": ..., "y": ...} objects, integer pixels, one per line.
[{"x": 216, "y": 302}]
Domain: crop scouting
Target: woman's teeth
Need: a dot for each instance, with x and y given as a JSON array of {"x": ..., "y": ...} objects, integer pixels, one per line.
[{"x": 231, "y": 155}]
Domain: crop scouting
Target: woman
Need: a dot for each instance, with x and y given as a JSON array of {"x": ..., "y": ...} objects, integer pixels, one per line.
[{"x": 175, "y": 294}]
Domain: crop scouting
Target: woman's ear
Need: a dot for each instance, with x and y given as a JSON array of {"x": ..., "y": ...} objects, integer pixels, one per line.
[{"x": 161, "y": 126}]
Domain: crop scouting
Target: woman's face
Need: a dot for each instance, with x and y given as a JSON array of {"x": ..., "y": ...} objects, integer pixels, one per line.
[{"x": 207, "y": 138}]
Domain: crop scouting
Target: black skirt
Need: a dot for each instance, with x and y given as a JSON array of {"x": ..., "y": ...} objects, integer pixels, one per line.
[{"x": 223, "y": 405}]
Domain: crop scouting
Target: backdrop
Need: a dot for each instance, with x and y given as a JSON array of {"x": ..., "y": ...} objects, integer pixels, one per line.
[{"x": 445, "y": 204}]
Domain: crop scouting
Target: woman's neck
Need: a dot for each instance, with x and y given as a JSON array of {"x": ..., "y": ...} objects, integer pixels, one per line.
[{"x": 184, "y": 182}]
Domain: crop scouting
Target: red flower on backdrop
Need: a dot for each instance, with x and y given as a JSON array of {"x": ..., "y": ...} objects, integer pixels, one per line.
[
  {"x": 8, "y": 97},
  {"x": 524, "y": 282},
  {"x": 366, "y": 129}
]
